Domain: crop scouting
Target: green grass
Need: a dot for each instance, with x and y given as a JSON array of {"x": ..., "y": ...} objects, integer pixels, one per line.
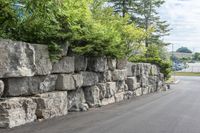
[{"x": 187, "y": 73}]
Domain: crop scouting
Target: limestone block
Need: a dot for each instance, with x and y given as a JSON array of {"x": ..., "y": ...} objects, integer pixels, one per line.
[
  {"x": 51, "y": 104},
  {"x": 119, "y": 75},
  {"x": 105, "y": 76},
  {"x": 80, "y": 63},
  {"x": 138, "y": 92},
  {"x": 76, "y": 100},
  {"x": 107, "y": 101},
  {"x": 19, "y": 59},
  {"x": 112, "y": 64},
  {"x": 132, "y": 83},
  {"x": 121, "y": 64},
  {"x": 97, "y": 64},
  {"x": 65, "y": 65},
  {"x": 119, "y": 97},
  {"x": 17, "y": 111},
  {"x": 42, "y": 60},
  {"x": 111, "y": 89},
  {"x": 92, "y": 96},
  {"x": 89, "y": 78},
  {"x": 103, "y": 90},
  {"x": 1, "y": 88},
  {"x": 121, "y": 86},
  {"x": 27, "y": 86},
  {"x": 65, "y": 82}
]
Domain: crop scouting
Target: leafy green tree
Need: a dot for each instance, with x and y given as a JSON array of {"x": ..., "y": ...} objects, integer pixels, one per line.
[
  {"x": 196, "y": 56},
  {"x": 184, "y": 50}
]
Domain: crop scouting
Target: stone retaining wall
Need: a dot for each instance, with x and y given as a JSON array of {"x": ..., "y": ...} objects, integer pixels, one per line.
[{"x": 31, "y": 87}]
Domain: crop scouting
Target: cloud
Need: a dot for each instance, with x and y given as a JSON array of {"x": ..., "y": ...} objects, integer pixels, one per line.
[{"x": 184, "y": 17}]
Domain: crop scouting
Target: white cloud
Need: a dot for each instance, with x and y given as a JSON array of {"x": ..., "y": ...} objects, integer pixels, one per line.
[{"x": 184, "y": 17}]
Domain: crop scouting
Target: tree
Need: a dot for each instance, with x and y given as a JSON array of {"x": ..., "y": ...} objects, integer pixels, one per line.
[
  {"x": 184, "y": 50},
  {"x": 196, "y": 56}
]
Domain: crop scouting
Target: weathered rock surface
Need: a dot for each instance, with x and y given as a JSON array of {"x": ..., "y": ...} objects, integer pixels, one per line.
[
  {"x": 51, "y": 104},
  {"x": 105, "y": 76},
  {"x": 121, "y": 64},
  {"x": 112, "y": 64},
  {"x": 107, "y": 101},
  {"x": 65, "y": 82},
  {"x": 98, "y": 64},
  {"x": 103, "y": 90},
  {"x": 138, "y": 92},
  {"x": 42, "y": 60},
  {"x": 16, "y": 111},
  {"x": 121, "y": 86},
  {"x": 89, "y": 78},
  {"x": 119, "y": 75},
  {"x": 111, "y": 89},
  {"x": 19, "y": 59},
  {"x": 1, "y": 88},
  {"x": 65, "y": 65},
  {"x": 80, "y": 63},
  {"x": 27, "y": 86},
  {"x": 76, "y": 100},
  {"x": 132, "y": 83},
  {"x": 119, "y": 97},
  {"x": 78, "y": 80},
  {"x": 92, "y": 96}
]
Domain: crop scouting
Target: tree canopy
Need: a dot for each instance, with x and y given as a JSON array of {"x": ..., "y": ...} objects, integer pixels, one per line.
[{"x": 184, "y": 50}]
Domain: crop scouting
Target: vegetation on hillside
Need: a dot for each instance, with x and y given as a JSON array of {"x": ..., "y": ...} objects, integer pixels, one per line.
[{"x": 117, "y": 29}]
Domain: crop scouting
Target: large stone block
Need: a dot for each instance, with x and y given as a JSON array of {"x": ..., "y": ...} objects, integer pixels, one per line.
[
  {"x": 119, "y": 75},
  {"x": 132, "y": 83},
  {"x": 80, "y": 63},
  {"x": 121, "y": 64},
  {"x": 121, "y": 86},
  {"x": 76, "y": 100},
  {"x": 17, "y": 111},
  {"x": 107, "y": 101},
  {"x": 111, "y": 89},
  {"x": 89, "y": 78},
  {"x": 19, "y": 59},
  {"x": 92, "y": 96},
  {"x": 78, "y": 80},
  {"x": 103, "y": 90},
  {"x": 119, "y": 97},
  {"x": 65, "y": 65},
  {"x": 97, "y": 64},
  {"x": 65, "y": 82},
  {"x": 27, "y": 86},
  {"x": 51, "y": 104},
  {"x": 105, "y": 76},
  {"x": 1, "y": 88},
  {"x": 129, "y": 68},
  {"x": 138, "y": 92},
  {"x": 42, "y": 60},
  {"x": 112, "y": 64}
]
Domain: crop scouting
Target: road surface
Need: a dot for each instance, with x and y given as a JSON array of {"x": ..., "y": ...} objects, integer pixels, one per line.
[{"x": 174, "y": 111}]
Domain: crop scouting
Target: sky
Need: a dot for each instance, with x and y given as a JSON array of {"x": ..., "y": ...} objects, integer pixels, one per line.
[{"x": 184, "y": 19}]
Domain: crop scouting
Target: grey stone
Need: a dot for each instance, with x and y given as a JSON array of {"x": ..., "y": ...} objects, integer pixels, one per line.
[
  {"x": 27, "y": 86},
  {"x": 89, "y": 78},
  {"x": 17, "y": 111},
  {"x": 92, "y": 96},
  {"x": 65, "y": 65},
  {"x": 132, "y": 83},
  {"x": 51, "y": 104},
  {"x": 138, "y": 92},
  {"x": 1, "y": 88},
  {"x": 119, "y": 75},
  {"x": 17, "y": 59},
  {"x": 107, "y": 101},
  {"x": 112, "y": 64},
  {"x": 97, "y": 64},
  {"x": 121, "y": 86},
  {"x": 83, "y": 107},
  {"x": 65, "y": 82},
  {"x": 128, "y": 94},
  {"x": 80, "y": 63},
  {"x": 105, "y": 76},
  {"x": 129, "y": 68},
  {"x": 154, "y": 70},
  {"x": 111, "y": 89},
  {"x": 76, "y": 99},
  {"x": 42, "y": 60},
  {"x": 103, "y": 90},
  {"x": 78, "y": 80},
  {"x": 65, "y": 47},
  {"x": 121, "y": 64},
  {"x": 119, "y": 97},
  {"x": 145, "y": 90}
]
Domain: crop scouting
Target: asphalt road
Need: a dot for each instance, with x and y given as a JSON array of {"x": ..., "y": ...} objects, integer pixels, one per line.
[{"x": 174, "y": 111}]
